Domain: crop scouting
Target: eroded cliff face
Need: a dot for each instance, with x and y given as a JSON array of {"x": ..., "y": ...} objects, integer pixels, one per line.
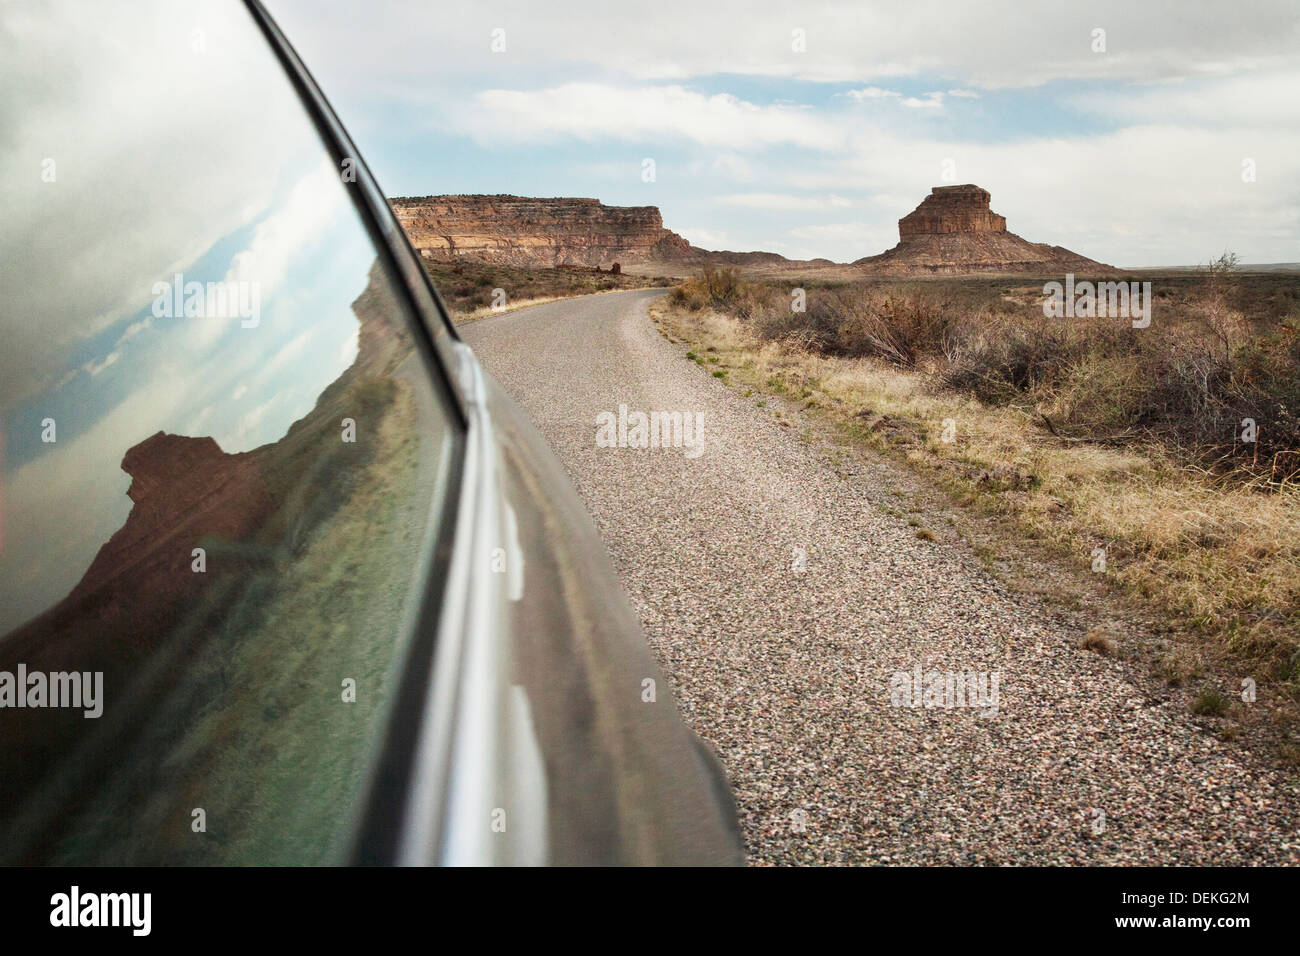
[
  {"x": 953, "y": 231},
  {"x": 519, "y": 231},
  {"x": 950, "y": 209}
]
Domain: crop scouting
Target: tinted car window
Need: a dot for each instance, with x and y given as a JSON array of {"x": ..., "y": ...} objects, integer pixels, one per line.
[{"x": 223, "y": 453}]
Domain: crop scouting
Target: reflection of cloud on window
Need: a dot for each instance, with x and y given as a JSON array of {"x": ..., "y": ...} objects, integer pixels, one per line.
[
  {"x": 279, "y": 242},
  {"x": 169, "y": 375},
  {"x": 230, "y": 391},
  {"x": 348, "y": 349},
  {"x": 92, "y": 117},
  {"x": 287, "y": 353},
  {"x": 280, "y": 239},
  {"x": 66, "y": 503},
  {"x": 248, "y": 422},
  {"x": 132, "y": 330},
  {"x": 93, "y": 368}
]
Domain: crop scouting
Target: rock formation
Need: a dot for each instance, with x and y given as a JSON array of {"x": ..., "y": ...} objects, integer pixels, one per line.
[
  {"x": 952, "y": 209},
  {"x": 184, "y": 490},
  {"x": 515, "y": 230},
  {"x": 519, "y": 231},
  {"x": 953, "y": 231},
  {"x": 143, "y": 612}
]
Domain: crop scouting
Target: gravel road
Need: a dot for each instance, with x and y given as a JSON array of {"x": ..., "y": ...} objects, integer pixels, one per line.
[{"x": 783, "y": 603}]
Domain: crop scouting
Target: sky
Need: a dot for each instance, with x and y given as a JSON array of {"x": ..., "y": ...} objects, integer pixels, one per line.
[
  {"x": 1151, "y": 134},
  {"x": 172, "y": 149}
]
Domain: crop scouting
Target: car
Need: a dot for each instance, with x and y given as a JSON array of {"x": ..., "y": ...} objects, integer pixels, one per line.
[{"x": 287, "y": 578}]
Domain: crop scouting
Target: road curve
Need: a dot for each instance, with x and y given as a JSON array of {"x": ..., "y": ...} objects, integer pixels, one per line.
[{"x": 784, "y": 604}]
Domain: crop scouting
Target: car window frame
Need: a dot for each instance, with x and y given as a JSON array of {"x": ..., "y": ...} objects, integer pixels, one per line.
[{"x": 377, "y": 839}]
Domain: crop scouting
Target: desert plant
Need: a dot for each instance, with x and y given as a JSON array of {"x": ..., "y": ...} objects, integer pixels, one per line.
[{"x": 1210, "y": 703}]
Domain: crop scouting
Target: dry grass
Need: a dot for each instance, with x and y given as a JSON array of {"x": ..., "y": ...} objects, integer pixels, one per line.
[
  {"x": 1219, "y": 560},
  {"x": 1096, "y": 641}
]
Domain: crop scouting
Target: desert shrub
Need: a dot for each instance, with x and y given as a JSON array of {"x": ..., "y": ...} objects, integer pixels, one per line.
[
  {"x": 1094, "y": 394},
  {"x": 899, "y": 326},
  {"x": 1004, "y": 360},
  {"x": 722, "y": 289},
  {"x": 1221, "y": 351},
  {"x": 896, "y": 327},
  {"x": 688, "y": 295},
  {"x": 719, "y": 286}
]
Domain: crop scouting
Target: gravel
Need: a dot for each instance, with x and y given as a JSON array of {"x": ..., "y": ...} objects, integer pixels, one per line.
[{"x": 787, "y": 673}]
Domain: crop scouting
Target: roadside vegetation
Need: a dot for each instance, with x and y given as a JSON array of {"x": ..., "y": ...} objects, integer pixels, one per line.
[
  {"x": 468, "y": 288},
  {"x": 1164, "y": 460}
]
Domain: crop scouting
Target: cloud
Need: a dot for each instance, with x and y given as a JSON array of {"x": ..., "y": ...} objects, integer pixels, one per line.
[
  {"x": 1120, "y": 196},
  {"x": 870, "y": 93},
  {"x": 167, "y": 157},
  {"x": 928, "y": 101},
  {"x": 306, "y": 214},
  {"x": 93, "y": 368},
  {"x": 1132, "y": 155},
  {"x": 296, "y": 225},
  {"x": 861, "y": 238},
  {"x": 932, "y": 100},
  {"x": 134, "y": 329},
  {"x": 1107, "y": 194},
  {"x": 706, "y": 238},
  {"x": 58, "y": 516},
  {"x": 597, "y": 111},
  {"x": 784, "y": 202},
  {"x": 993, "y": 44},
  {"x": 248, "y": 424},
  {"x": 729, "y": 165},
  {"x": 1266, "y": 100},
  {"x": 97, "y": 121}
]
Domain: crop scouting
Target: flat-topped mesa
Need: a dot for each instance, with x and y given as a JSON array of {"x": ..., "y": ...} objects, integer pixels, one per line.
[
  {"x": 524, "y": 231},
  {"x": 953, "y": 232},
  {"x": 950, "y": 209}
]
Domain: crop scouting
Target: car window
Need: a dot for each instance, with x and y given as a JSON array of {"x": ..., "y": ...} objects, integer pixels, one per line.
[{"x": 223, "y": 452}]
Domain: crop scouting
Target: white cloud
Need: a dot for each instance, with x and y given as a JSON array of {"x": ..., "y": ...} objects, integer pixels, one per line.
[
  {"x": 1267, "y": 100},
  {"x": 1121, "y": 196},
  {"x": 996, "y": 43},
  {"x": 296, "y": 225},
  {"x": 134, "y": 329},
  {"x": 870, "y": 93},
  {"x": 928, "y": 101},
  {"x": 784, "y": 202},
  {"x": 94, "y": 368},
  {"x": 931, "y": 100},
  {"x": 597, "y": 111},
  {"x": 164, "y": 155},
  {"x": 93, "y": 121},
  {"x": 859, "y": 238},
  {"x": 59, "y": 516},
  {"x": 1153, "y": 177},
  {"x": 1109, "y": 195},
  {"x": 731, "y": 165},
  {"x": 349, "y": 348},
  {"x": 248, "y": 424},
  {"x": 706, "y": 238}
]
